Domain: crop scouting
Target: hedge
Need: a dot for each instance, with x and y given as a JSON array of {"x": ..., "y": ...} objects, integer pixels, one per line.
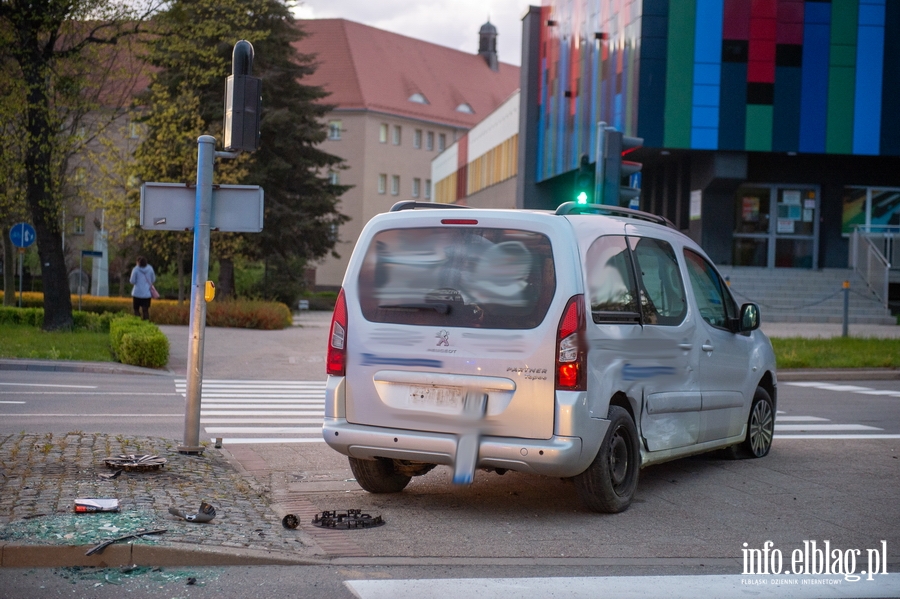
[
  {"x": 138, "y": 342},
  {"x": 82, "y": 321},
  {"x": 250, "y": 314}
]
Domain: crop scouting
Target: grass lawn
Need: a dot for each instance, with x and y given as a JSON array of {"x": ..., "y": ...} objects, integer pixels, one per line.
[
  {"x": 838, "y": 352},
  {"x": 24, "y": 341}
]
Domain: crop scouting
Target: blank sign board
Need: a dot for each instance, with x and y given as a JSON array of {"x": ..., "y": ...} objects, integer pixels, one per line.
[{"x": 171, "y": 206}]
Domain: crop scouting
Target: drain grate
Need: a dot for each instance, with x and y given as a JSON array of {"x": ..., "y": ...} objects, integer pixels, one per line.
[
  {"x": 135, "y": 463},
  {"x": 350, "y": 519}
]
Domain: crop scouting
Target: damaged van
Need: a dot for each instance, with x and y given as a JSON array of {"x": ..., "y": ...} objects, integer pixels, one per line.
[{"x": 586, "y": 343}]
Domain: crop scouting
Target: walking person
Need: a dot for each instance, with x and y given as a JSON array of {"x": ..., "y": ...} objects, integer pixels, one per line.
[{"x": 142, "y": 277}]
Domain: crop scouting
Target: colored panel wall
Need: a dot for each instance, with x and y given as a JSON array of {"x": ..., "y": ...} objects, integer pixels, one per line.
[
  {"x": 841, "y": 77},
  {"x": 809, "y": 76},
  {"x": 680, "y": 73}
]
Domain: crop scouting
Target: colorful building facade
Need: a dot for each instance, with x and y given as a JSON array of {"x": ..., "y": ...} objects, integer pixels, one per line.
[{"x": 770, "y": 127}]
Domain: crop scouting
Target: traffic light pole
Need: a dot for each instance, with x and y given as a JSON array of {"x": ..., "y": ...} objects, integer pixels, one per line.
[{"x": 600, "y": 164}]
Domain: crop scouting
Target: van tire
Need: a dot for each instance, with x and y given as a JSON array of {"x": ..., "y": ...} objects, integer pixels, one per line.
[
  {"x": 609, "y": 483},
  {"x": 378, "y": 475},
  {"x": 760, "y": 429}
]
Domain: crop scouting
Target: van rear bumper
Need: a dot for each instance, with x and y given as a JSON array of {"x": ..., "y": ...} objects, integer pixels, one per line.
[{"x": 556, "y": 456}]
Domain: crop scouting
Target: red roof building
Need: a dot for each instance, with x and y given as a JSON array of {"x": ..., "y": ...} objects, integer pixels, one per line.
[{"x": 398, "y": 102}]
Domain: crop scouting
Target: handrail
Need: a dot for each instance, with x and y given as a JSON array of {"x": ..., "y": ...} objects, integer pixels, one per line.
[{"x": 876, "y": 271}]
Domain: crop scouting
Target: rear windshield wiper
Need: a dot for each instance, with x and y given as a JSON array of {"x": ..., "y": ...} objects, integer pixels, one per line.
[{"x": 438, "y": 307}]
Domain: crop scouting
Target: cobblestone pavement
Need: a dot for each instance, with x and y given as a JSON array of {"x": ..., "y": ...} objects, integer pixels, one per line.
[{"x": 42, "y": 475}]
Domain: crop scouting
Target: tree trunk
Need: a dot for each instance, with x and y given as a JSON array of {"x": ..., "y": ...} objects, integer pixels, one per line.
[
  {"x": 9, "y": 270},
  {"x": 225, "y": 290},
  {"x": 44, "y": 206}
]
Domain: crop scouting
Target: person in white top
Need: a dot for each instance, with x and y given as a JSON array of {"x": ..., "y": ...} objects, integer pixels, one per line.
[{"x": 142, "y": 277}]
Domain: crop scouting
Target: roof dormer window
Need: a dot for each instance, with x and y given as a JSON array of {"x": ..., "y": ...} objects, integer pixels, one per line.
[
  {"x": 466, "y": 108},
  {"x": 418, "y": 98}
]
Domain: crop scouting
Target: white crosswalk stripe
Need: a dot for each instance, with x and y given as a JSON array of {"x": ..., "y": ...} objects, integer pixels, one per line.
[
  {"x": 814, "y": 427},
  {"x": 242, "y": 412}
]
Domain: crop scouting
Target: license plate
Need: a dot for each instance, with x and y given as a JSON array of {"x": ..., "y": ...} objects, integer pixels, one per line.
[{"x": 441, "y": 399}]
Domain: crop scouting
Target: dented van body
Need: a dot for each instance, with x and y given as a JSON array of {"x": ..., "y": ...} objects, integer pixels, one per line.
[{"x": 584, "y": 343}]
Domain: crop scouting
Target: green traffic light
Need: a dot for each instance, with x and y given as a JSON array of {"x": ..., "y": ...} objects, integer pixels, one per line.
[{"x": 582, "y": 198}]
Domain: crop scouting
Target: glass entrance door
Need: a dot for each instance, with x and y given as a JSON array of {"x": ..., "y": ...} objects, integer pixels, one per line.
[{"x": 776, "y": 226}]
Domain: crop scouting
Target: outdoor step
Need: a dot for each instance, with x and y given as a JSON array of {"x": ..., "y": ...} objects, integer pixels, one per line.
[{"x": 795, "y": 295}]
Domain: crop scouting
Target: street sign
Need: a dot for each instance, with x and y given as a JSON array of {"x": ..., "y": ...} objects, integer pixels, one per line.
[
  {"x": 171, "y": 206},
  {"x": 91, "y": 254},
  {"x": 22, "y": 235}
]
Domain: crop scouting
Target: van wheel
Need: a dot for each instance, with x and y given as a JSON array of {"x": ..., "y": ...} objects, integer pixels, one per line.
[
  {"x": 760, "y": 428},
  {"x": 609, "y": 483},
  {"x": 378, "y": 475}
]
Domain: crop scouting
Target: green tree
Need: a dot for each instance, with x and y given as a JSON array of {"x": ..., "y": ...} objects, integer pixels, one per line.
[
  {"x": 67, "y": 55},
  {"x": 193, "y": 55}
]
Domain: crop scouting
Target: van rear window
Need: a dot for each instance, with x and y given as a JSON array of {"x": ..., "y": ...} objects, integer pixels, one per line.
[{"x": 458, "y": 277}]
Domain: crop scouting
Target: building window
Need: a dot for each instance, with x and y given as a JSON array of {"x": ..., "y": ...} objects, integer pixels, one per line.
[
  {"x": 395, "y": 185},
  {"x": 334, "y": 178},
  {"x": 465, "y": 108},
  {"x": 427, "y": 189},
  {"x": 382, "y": 133},
  {"x": 134, "y": 130},
  {"x": 417, "y": 184},
  {"x": 382, "y": 183},
  {"x": 429, "y": 141},
  {"x": 334, "y": 129},
  {"x": 395, "y": 138},
  {"x": 418, "y": 98},
  {"x": 80, "y": 175},
  {"x": 417, "y": 139},
  {"x": 442, "y": 142},
  {"x": 78, "y": 225}
]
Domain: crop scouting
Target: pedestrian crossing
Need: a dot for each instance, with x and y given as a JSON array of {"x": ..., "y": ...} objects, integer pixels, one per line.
[
  {"x": 259, "y": 411},
  {"x": 811, "y": 427}
]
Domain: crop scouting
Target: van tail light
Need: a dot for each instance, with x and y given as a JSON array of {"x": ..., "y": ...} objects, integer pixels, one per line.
[
  {"x": 571, "y": 359},
  {"x": 336, "y": 362}
]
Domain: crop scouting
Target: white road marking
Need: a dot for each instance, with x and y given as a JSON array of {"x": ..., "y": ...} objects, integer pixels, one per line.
[
  {"x": 18, "y": 402},
  {"x": 630, "y": 587},
  {"x": 227, "y": 407},
  {"x": 781, "y": 418},
  {"x": 48, "y": 385},
  {"x": 825, "y": 427}
]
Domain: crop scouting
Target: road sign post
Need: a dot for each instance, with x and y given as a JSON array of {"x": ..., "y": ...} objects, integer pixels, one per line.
[
  {"x": 242, "y": 63},
  {"x": 21, "y": 235}
]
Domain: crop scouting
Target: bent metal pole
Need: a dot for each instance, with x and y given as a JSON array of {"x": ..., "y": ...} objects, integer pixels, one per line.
[{"x": 206, "y": 146}]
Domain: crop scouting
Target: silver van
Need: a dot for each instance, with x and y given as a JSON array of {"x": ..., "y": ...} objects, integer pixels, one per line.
[{"x": 586, "y": 343}]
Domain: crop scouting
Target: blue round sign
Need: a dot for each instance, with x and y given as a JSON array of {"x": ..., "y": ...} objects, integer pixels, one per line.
[{"x": 22, "y": 235}]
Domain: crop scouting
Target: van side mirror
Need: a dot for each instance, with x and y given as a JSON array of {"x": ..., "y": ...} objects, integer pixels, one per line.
[{"x": 749, "y": 317}]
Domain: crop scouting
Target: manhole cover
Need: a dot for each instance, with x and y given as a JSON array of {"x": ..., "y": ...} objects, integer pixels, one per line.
[
  {"x": 347, "y": 520},
  {"x": 132, "y": 462}
]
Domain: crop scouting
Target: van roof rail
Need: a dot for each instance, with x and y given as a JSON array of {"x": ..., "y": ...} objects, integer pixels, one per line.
[
  {"x": 412, "y": 205},
  {"x": 574, "y": 208}
]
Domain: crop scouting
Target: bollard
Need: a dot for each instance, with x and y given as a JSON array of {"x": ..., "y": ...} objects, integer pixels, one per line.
[{"x": 846, "y": 308}]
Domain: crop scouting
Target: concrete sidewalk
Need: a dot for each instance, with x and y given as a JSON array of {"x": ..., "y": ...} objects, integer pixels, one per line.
[{"x": 43, "y": 474}]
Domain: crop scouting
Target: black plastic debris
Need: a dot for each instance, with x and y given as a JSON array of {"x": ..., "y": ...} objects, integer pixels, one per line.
[
  {"x": 110, "y": 475},
  {"x": 290, "y": 521},
  {"x": 135, "y": 462},
  {"x": 351, "y": 519},
  {"x": 205, "y": 514}
]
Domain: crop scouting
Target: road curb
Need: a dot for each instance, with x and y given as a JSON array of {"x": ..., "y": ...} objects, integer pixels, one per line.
[
  {"x": 90, "y": 367},
  {"x": 838, "y": 374},
  {"x": 18, "y": 555}
]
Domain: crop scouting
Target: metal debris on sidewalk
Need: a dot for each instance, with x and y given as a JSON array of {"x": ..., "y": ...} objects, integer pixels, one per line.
[
  {"x": 205, "y": 514},
  {"x": 138, "y": 533},
  {"x": 135, "y": 462},
  {"x": 86, "y": 505},
  {"x": 350, "y": 519}
]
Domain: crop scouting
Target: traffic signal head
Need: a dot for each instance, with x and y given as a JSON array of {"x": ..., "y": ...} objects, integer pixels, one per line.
[
  {"x": 584, "y": 182},
  {"x": 617, "y": 188}
]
